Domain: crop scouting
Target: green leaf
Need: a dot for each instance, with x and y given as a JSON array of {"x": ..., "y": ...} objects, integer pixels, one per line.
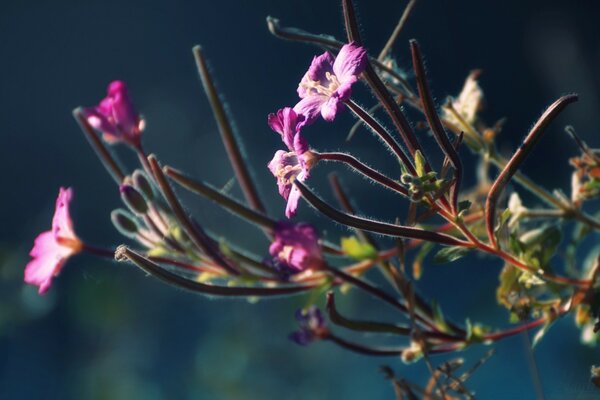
[
  {"x": 449, "y": 254},
  {"x": 438, "y": 317},
  {"x": 419, "y": 163},
  {"x": 158, "y": 251},
  {"x": 417, "y": 265},
  {"x": 464, "y": 205},
  {"x": 357, "y": 249}
]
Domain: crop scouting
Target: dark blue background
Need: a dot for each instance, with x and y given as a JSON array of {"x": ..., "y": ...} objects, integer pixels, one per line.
[{"x": 106, "y": 332}]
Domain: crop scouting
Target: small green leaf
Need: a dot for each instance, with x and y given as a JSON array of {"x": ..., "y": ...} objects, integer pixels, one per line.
[
  {"x": 464, "y": 205},
  {"x": 449, "y": 254},
  {"x": 158, "y": 251},
  {"x": 438, "y": 317},
  {"x": 419, "y": 163},
  {"x": 417, "y": 265},
  {"x": 357, "y": 249}
]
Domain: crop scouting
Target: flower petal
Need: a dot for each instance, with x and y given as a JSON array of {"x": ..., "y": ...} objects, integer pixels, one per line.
[
  {"x": 310, "y": 107},
  {"x": 62, "y": 225},
  {"x": 350, "y": 62},
  {"x": 317, "y": 71},
  {"x": 331, "y": 108},
  {"x": 292, "y": 202},
  {"x": 287, "y": 123}
]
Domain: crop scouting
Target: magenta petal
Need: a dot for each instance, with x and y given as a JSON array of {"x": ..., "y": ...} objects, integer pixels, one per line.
[
  {"x": 296, "y": 246},
  {"x": 287, "y": 123},
  {"x": 115, "y": 116},
  {"x": 317, "y": 71},
  {"x": 331, "y": 108},
  {"x": 52, "y": 248},
  {"x": 99, "y": 121},
  {"x": 300, "y": 145},
  {"x": 48, "y": 258},
  {"x": 62, "y": 225},
  {"x": 345, "y": 90},
  {"x": 319, "y": 67},
  {"x": 310, "y": 107},
  {"x": 350, "y": 62},
  {"x": 292, "y": 202},
  {"x": 275, "y": 122}
]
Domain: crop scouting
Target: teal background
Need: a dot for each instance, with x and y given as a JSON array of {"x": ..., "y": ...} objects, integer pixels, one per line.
[{"x": 105, "y": 331}]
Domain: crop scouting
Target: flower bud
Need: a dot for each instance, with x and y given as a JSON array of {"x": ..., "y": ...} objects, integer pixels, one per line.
[
  {"x": 124, "y": 222},
  {"x": 140, "y": 181},
  {"x": 406, "y": 179},
  {"x": 133, "y": 199}
]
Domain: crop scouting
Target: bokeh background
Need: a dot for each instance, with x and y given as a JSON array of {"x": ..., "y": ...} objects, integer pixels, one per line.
[{"x": 105, "y": 331}]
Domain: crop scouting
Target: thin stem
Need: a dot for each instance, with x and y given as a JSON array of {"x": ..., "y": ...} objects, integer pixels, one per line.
[
  {"x": 208, "y": 191},
  {"x": 362, "y": 349},
  {"x": 202, "y": 241},
  {"x": 101, "y": 151},
  {"x": 375, "y": 291},
  {"x": 517, "y": 159},
  {"x": 382, "y": 133},
  {"x": 227, "y": 135},
  {"x": 329, "y": 43},
  {"x": 435, "y": 122},
  {"x": 379, "y": 88},
  {"x": 98, "y": 251},
  {"x": 362, "y": 326},
  {"x": 390, "y": 43},
  {"x": 372, "y": 326},
  {"x": 365, "y": 170},
  {"x": 377, "y": 227},
  {"x": 124, "y": 253}
]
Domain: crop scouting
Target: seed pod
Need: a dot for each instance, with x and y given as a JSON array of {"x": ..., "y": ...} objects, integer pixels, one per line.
[
  {"x": 125, "y": 222},
  {"x": 140, "y": 181},
  {"x": 133, "y": 199}
]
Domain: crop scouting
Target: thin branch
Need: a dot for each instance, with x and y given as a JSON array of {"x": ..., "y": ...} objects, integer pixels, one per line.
[
  {"x": 383, "y": 134},
  {"x": 434, "y": 121},
  {"x": 517, "y": 159},
  {"x": 227, "y": 135},
  {"x": 365, "y": 170},
  {"x": 382, "y": 228},
  {"x": 226, "y": 202},
  {"x": 107, "y": 159},
  {"x": 390, "y": 43},
  {"x": 160, "y": 273},
  {"x": 202, "y": 241}
]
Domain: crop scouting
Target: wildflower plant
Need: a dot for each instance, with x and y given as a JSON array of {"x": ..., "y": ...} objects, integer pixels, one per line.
[{"x": 169, "y": 244}]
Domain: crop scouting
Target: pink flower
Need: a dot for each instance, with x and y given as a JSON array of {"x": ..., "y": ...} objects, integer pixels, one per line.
[
  {"x": 288, "y": 166},
  {"x": 52, "y": 248},
  {"x": 295, "y": 247},
  {"x": 116, "y": 116},
  {"x": 328, "y": 82}
]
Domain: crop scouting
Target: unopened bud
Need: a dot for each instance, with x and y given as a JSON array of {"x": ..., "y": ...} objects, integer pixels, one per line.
[
  {"x": 412, "y": 353},
  {"x": 140, "y": 181},
  {"x": 133, "y": 199},
  {"x": 124, "y": 222},
  {"x": 406, "y": 179}
]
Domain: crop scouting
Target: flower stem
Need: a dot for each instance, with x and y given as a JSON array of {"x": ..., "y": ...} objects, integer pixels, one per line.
[
  {"x": 365, "y": 170},
  {"x": 382, "y": 133}
]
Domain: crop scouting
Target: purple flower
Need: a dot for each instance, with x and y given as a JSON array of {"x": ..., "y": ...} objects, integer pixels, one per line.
[
  {"x": 328, "y": 82},
  {"x": 312, "y": 326},
  {"x": 116, "y": 116},
  {"x": 296, "y": 247},
  {"x": 288, "y": 166},
  {"x": 53, "y": 248}
]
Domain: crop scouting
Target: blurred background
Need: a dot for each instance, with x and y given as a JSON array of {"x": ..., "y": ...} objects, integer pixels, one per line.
[{"x": 104, "y": 331}]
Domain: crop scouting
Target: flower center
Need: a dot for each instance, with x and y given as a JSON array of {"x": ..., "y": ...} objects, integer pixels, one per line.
[
  {"x": 73, "y": 244},
  {"x": 326, "y": 88},
  {"x": 287, "y": 173},
  {"x": 286, "y": 253}
]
